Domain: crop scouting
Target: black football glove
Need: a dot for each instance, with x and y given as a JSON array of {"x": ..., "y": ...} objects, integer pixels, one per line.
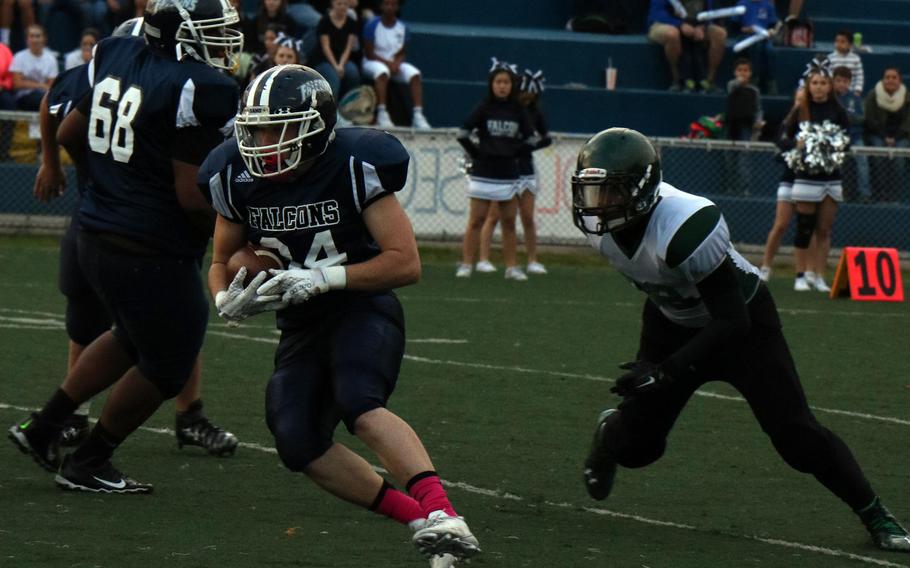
[{"x": 642, "y": 379}]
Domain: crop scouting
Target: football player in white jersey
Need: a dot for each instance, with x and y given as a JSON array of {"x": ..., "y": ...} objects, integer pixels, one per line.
[{"x": 707, "y": 317}]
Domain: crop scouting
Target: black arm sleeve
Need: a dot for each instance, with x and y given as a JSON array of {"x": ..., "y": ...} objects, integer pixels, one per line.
[
  {"x": 722, "y": 295},
  {"x": 470, "y": 123},
  {"x": 787, "y": 133}
]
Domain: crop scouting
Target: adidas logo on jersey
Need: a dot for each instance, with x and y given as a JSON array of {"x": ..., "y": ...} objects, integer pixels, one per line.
[{"x": 243, "y": 177}]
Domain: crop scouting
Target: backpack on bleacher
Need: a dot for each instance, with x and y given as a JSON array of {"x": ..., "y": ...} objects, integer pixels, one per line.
[{"x": 796, "y": 33}]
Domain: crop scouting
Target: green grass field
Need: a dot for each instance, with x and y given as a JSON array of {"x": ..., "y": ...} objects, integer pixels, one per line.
[{"x": 503, "y": 381}]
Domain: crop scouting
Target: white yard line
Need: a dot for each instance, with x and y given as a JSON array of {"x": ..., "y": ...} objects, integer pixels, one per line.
[
  {"x": 498, "y": 494},
  {"x": 11, "y": 323}
]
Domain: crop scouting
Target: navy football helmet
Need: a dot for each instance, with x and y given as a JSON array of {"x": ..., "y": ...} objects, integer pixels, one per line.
[
  {"x": 194, "y": 28},
  {"x": 286, "y": 119}
]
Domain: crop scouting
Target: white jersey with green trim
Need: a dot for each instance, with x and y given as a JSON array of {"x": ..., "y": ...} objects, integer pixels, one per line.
[{"x": 673, "y": 288}]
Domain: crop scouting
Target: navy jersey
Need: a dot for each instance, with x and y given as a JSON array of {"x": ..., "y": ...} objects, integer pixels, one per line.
[
  {"x": 316, "y": 220},
  {"x": 144, "y": 111}
]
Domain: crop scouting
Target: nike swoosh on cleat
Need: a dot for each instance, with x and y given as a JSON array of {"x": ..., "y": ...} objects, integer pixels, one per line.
[
  {"x": 647, "y": 383},
  {"x": 119, "y": 485}
]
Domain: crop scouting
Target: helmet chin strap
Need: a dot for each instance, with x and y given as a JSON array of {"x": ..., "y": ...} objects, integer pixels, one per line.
[{"x": 182, "y": 49}]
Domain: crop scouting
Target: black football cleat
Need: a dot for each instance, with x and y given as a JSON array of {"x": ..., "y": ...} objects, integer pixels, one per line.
[
  {"x": 45, "y": 454},
  {"x": 600, "y": 468},
  {"x": 75, "y": 431},
  {"x": 105, "y": 478},
  {"x": 886, "y": 532},
  {"x": 196, "y": 430}
]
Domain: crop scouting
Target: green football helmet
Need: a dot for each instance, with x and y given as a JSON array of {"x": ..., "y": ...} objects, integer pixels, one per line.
[{"x": 615, "y": 181}]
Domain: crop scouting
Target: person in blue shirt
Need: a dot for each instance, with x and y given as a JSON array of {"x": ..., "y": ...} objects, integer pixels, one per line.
[
  {"x": 668, "y": 27},
  {"x": 761, "y": 15}
]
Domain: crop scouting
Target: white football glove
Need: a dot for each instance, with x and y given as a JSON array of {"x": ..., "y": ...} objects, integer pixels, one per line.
[
  {"x": 298, "y": 285},
  {"x": 238, "y": 302}
]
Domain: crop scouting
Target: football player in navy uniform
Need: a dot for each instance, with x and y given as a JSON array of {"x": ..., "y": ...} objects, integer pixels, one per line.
[
  {"x": 86, "y": 317},
  {"x": 324, "y": 200},
  {"x": 708, "y": 316},
  {"x": 154, "y": 111}
]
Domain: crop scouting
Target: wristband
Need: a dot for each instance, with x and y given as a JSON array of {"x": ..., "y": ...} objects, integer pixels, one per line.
[{"x": 335, "y": 276}]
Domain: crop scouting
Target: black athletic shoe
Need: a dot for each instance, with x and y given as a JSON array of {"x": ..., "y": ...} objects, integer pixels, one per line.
[
  {"x": 75, "y": 431},
  {"x": 887, "y": 533},
  {"x": 600, "y": 469},
  {"x": 105, "y": 478},
  {"x": 46, "y": 455},
  {"x": 196, "y": 430}
]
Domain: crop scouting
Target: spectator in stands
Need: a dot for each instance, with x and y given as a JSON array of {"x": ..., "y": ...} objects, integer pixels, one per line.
[
  {"x": 26, "y": 17},
  {"x": 528, "y": 95},
  {"x": 7, "y": 99},
  {"x": 853, "y": 104},
  {"x": 273, "y": 13},
  {"x": 83, "y": 53},
  {"x": 504, "y": 132},
  {"x": 279, "y": 49},
  {"x": 844, "y": 56},
  {"x": 761, "y": 15},
  {"x": 887, "y": 110},
  {"x": 337, "y": 33},
  {"x": 816, "y": 195},
  {"x": 744, "y": 111},
  {"x": 385, "y": 38},
  {"x": 667, "y": 27},
  {"x": 33, "y": 70},
  {"x": 306, "y": 15}
]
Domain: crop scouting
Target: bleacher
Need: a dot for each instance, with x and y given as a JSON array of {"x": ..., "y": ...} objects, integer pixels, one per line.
[{"x": 453, "y": 49}]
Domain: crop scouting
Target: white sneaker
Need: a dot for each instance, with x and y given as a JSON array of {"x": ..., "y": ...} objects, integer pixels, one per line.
[
  {"x": 801, "y": 284},
  {"x": 821, "y": 285},
  {"x": 419, "y": 121},
  {"x": 463, "y": 271},
  {"x": 515, "y": 273},
  {"x": 810, "y": 279},
  {"x": 446, "y": 535},
  {"x": 765, "y": 273},
  {"x": 383, "y": 120},
  {"x": 536, "y": 268},
  {"x": 443, "y": 561},
  {"x": 485, "y": 266}
]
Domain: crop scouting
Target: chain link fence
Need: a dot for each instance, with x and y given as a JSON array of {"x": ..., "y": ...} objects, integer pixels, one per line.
[{"x": 742, "y": 178}]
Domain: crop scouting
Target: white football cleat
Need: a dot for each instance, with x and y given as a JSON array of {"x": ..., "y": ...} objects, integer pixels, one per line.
[
  {"x": 821, "y": 285},
  {"x": 485, "y": 266},
  {"x": 446, "y": 535},
  {"x": 536, "y": 268},
  {"x": 463, "y": 271},
  {"x": 516, "y": 274}
]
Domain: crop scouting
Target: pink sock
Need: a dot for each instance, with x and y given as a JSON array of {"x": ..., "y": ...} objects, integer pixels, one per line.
[
  {"x": 427, "y": 490},
  {"x": 396, "y": 505}
]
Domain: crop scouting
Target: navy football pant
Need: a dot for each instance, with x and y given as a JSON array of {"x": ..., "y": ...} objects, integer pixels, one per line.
[
  {"x": 86, "y": 316},
  {"x": 761, "y": 368},
  {"x": 157, "y": 305},
  {"x": 334, "y": 369}
]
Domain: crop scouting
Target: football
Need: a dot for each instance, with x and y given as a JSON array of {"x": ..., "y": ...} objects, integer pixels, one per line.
[{"x": 256, "y": 259}]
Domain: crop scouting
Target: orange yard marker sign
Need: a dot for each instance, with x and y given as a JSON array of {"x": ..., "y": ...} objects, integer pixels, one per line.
[{"x": 868, "y": 275}]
